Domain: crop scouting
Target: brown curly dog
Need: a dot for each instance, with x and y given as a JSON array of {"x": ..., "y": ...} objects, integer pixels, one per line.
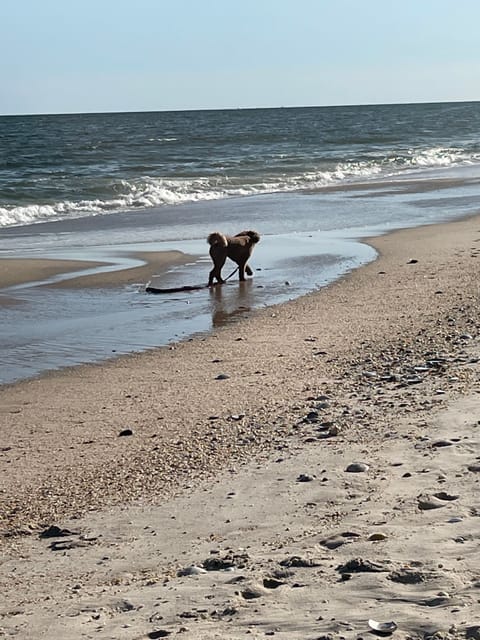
[{"x": 238, "y": 248}]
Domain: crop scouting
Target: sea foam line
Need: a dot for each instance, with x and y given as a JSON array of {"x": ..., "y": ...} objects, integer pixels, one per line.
[{"x": 156, "y": 191}]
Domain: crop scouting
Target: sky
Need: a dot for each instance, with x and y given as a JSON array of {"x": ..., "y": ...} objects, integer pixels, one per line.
[{"x": 75, "y": 56}]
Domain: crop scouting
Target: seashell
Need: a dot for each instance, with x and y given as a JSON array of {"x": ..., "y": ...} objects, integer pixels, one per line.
[{"x": 382, "y": 627}]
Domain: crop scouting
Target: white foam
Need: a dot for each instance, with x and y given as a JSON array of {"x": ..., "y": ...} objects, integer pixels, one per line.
[{"x": 154, "y": 191}]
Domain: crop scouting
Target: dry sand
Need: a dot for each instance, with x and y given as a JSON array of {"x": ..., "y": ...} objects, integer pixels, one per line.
[{"x": 237, "y": 463}]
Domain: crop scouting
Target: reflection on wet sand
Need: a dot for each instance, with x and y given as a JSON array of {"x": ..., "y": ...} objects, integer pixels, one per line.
[{"x": 226, "y": 308}]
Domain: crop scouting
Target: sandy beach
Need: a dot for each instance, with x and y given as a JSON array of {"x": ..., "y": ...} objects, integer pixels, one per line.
[
  {"x": 16, "y": 271},
  {"x": 296, "y": 474}
]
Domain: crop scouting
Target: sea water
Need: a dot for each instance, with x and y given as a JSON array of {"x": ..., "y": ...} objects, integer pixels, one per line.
[{"x": 312, "y": 181}]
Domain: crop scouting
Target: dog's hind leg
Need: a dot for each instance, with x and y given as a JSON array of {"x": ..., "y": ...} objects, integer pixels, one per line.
[
  {"x": 216, "y": 272},
  {"x": 241, "y": 271}
]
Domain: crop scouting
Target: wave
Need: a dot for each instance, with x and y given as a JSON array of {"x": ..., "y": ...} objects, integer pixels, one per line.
[{"x": 151, "y": 191}]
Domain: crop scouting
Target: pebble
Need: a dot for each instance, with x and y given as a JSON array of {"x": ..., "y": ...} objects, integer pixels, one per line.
[
  {"x": 442, "y": 443},
  {"x": 125, "y": 432},
  {"x": 272, "y": 583},
  {"x": 357, "y": 467},
  {"x": 305, "y": 477},
  {"x": 222, "y": 376},
  {"x": 192, "y": 570},
  {"x": 443, "y": 495},
  {"x": 252, "y": 592},
  {"x": 377, "y": 536},
  {"x": 474, "y": 468}
]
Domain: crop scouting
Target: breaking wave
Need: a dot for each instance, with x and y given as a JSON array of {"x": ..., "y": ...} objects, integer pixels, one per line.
[{"x": 151, "y": 191}]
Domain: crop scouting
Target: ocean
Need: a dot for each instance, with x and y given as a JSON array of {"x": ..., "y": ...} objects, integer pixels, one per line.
[{"x": 313, "y": 181}]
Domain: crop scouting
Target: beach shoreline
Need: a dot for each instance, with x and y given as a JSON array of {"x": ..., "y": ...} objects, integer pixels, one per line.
[
  {"x": 22, "y": 271},
  {"x": 373, "y": 369}
]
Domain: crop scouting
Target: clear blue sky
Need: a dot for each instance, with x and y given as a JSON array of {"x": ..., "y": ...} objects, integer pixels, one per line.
[{"x": 61, "y": 56}]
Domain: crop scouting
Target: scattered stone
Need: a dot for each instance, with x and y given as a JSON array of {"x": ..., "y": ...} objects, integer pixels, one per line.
[
  {"x": 357, "y": 467},
  {"x": 192, "y": 570},
  {"x": 474, "y": 468},
  {"x": 412, "y": 261},
  {"x": 282, "y": 574},
  {"x": 229, "y": 561},
  {"x": 305, "y": 477},
  {"x": 407, "y": 575},
  {"x": 57, "y": 532},
  {"x": 252, "y": 592},
  {"x": 125, "y": 432},
  {"x": 159, "y": 633},
  {"x": 443, "y": 495},
  {"x": 330, "y": 433},
  {"x": 298, "y": 561},
  {"x": 337, "y": 540},
  {"x": 358, "y": 565},
  {"x": 272, "y": 583},
  {"x": 377, "y": 537},
  {"x": 472, "y": 633},
  {"x": 442, "y": 443},
  {"x": 333, "y": 542},
  {"x": 222, "y": 376}
]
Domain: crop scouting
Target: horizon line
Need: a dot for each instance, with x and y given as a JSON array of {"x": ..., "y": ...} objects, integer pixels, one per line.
[{"x": 203, "y": 109}]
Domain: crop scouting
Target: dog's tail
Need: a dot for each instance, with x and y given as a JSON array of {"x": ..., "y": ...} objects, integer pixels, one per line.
[
  {"x": 253, "y": 235},
  {"x": 217, "y": 238}
]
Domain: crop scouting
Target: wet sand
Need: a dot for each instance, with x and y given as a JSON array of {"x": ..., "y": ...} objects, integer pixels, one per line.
[
  {"x": 15, "y": 271},
  {"x": 232, "y": 453}
]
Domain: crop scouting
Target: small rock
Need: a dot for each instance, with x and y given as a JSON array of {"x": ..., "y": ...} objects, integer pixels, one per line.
[
  {"x": 305, "y": 477},
  {"x": 443, "y": 495},
  {"x": 442, "y": 443},
  {"x": 298, "y": 561},
  {"x": 252, "y": 592},
  {"x": 408, "y": 576},
  {"x": 377, "y": 537},
  {"x": 358, "y": 565},
  {"x": 357, "y": 467},
  {"x": 272, "y": 583},
  {"x": 222, "y": 376},
  {"x": 192, "y": 570},
  {"x": 56, "y": 532},
  {"x": 125, "y": 432}
]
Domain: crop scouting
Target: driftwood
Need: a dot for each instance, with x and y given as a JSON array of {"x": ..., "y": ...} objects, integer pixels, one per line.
[{"x": 194, "y": 287}]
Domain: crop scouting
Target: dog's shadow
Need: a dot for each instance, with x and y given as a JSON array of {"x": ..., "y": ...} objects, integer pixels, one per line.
[{"x": 230, "y": 302}]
